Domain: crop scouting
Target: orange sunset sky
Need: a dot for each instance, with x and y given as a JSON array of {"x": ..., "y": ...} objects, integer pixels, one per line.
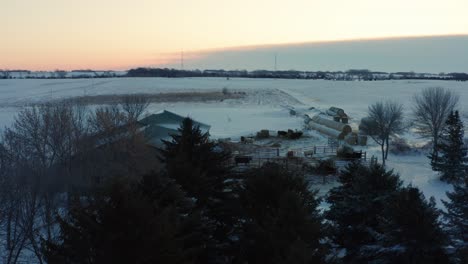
[{"x": 104, "y": 34}]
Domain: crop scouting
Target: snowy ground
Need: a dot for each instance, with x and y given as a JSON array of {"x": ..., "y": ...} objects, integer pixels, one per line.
[{"x": 265, "y": 107}]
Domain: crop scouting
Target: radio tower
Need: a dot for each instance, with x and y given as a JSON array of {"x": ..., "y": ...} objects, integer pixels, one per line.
[
  {"x": 276, "y": 55},
  {"x": 182, "y": 60}
]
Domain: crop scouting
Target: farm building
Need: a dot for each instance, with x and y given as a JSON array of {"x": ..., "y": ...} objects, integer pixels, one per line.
[{"x": 163, "y": 124}]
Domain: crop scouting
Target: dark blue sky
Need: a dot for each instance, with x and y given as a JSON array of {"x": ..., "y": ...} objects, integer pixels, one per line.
[{"x": 424, "y": 54}]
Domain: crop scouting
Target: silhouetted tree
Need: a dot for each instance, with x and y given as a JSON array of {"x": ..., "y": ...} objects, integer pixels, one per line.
[
  {"x": 281, "y": 221},
  {"x": 201, "y": 167},
  {"x": 357, "y": 206},
  {"x": 431, "y": 109},
  {"x": 385, "y": 120},
  {"x": 412, "y": 231},
  {"x": 457, "y": 216},
  {"x": 451, "y": 156},
  {"x": 151, "y": 222},
  {"x": 197, "y": 164}
]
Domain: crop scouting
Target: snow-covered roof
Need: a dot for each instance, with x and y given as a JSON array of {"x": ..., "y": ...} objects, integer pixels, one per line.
[
  {"x": 163, "y": 124},
  {"x": 166, "y": 118}
]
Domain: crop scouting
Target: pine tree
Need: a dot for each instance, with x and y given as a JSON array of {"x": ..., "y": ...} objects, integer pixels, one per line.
[
  {"x": 201, "y": 168},
  {"x": 376, "y": 220},
  {"x": 281, "y": 222},
  {"x": 451, "y": 158},
  {"x": 196, "y": 163},
  {"x": 151, "y": 222},
  {"x": 357, "y": 206},
  {"x": 457, "y": 217},
  {"x": 412, "y": 231}
]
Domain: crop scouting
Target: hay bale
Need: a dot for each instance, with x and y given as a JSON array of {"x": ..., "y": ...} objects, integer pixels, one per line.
[
  {"x": 335, "y": 111},
  {"x": 332, "y": 124},
  {"x": 327, "y": 131},
  {"x": 263, "y": 133}
]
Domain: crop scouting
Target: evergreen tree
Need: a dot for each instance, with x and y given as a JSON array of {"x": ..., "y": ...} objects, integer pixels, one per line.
[
  {"x": 451, "y": 158},
  {"x": 357, "y": 207},
  {"x": 457, "y": 216},
  {"x": 201, "y": 168},
  {"x": 281, "y": 221},
  {"x": 412, "y": 231},
  {"x": 151, "y": 222},
  {"x": 196, "y": 163}
]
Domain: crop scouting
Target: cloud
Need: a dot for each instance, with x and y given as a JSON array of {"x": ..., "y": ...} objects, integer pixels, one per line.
[{"x": 420, "y": 54}]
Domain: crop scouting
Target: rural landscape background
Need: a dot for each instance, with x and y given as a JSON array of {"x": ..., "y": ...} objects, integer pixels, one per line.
[{"x": 233, "y": 132}]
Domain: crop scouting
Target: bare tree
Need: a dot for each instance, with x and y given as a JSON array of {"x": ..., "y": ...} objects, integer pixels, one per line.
[
  {"x": 134, "y": 106},
  {"x": 106, "y": 119},
  {"x": 20, "y": 203},
  {"x": 42, "y": 139},
  {"x": 431, "y": 109},
  {"x": 384, "y": 120},
  {"x": 42, "y": 154},
  {"x": 122, "y": 145}
]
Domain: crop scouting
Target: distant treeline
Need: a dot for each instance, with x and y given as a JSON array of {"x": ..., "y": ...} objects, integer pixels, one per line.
[
  {"x": 349, "y": 75},
  {"x": 364, "y": 75}
]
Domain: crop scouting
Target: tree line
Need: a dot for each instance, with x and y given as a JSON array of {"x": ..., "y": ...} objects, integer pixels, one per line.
[
  {"x": 349, "y": 75},
  {"x": 365, "y": 75}
]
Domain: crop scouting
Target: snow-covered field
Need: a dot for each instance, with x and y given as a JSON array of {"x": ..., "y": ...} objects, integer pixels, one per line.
[{"x": 266, "y": 106}]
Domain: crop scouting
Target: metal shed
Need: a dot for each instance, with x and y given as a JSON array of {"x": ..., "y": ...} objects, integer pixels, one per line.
[{"x": 164, "y": 124}]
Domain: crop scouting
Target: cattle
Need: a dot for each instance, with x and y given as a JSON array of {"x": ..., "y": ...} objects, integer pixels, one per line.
[
  {"x": 282, "y": 133},
  {"x": 247, "y": 140},
  {"x": 356, "y": 155},
  {"x": 295, "y": 135},
  {"x": 242, "y": 159}
]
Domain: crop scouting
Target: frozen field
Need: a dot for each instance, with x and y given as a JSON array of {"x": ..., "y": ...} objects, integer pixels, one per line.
[{"x": 265, "y": 106}]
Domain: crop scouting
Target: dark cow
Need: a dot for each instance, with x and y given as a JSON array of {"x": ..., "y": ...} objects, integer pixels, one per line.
[
  {"x": 282, "y": 133},
  {"x": 242, "y": 159}
]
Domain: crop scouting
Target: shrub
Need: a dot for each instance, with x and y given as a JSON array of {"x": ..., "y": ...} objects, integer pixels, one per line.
[
  {"x": 326, "y": 167},
  {"x": 263, "y": 134},
  {"x": 399, "y": 146},
  {"x": 345, "y": 152}
]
